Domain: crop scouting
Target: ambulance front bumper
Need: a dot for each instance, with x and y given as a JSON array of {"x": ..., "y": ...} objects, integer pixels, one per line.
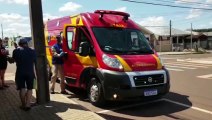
[{"x": 130, "y": 85}]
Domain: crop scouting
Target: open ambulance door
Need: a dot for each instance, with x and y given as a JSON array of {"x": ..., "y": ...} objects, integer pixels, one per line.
[
  {"x": 78, "y": 51},
  {"x": 71, "y": 63}
]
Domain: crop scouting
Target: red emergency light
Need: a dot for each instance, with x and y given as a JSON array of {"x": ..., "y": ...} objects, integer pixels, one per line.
[{"x": 102, "y": 12}]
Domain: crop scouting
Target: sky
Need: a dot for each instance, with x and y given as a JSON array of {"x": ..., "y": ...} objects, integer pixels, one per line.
[{"x": 14, "y": 14}]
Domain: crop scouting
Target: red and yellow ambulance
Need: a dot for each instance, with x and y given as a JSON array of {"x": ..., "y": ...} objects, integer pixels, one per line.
[{"x": 107, "y": 55}]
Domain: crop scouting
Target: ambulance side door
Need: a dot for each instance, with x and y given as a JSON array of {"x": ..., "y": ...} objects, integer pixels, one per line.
[{"x": 72, "y": 65}]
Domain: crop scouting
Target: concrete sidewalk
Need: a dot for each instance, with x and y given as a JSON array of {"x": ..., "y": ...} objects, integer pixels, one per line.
[{"x": 59, "y": 108}]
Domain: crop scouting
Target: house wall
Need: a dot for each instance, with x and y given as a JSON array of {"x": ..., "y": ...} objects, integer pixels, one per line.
[{"x": 163, "y": 46}]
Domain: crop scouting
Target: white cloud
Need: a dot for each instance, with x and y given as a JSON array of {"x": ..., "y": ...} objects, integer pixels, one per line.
[
  {"x": 121, "y": 9},
  {"x": 15, "y": 24},
  {"x": 211, "y": 23},
  {"x": 22, "y": 25},
  {"x": 70, "y": 7},
  {"x": 153, "y": 21},
  {"x": 10, "y": 17},
  {"x": 209, "y": 1},
  {"x": 47, "y": 16},
  {"x": 194, "y": 13},
  {"x": 21, "y": 2}
]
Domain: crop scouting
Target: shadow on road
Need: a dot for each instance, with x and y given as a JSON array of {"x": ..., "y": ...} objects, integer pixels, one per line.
[
  {"x": 158, "y": 108},
  {"x": 140, "y": 108}
]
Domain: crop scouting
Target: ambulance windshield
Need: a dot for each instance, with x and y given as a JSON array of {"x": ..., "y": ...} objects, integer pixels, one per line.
[{"x": 122, "y": 41}]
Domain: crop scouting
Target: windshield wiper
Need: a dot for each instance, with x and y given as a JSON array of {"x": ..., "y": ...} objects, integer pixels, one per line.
[
  {"x": 140, "y": 52},
  {"x": 109, "y": 48}
]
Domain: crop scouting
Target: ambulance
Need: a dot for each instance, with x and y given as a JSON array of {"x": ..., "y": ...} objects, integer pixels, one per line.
[{"x": 108, "y": 56}]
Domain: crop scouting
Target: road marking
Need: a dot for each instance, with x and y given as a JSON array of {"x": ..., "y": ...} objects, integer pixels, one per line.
[
  {"x": 168, "y": 58},
  {"x": 190, "y": 63},
  {"x": 174, "y": 69},
  {"x": 128, "y": 106},
  {"x": 181, "y": 60},
  {"x": 202, "y": 61},
  {"x": 187, "y": 65},
  {"x": 180, "y": 67},
  {"x": 163, "y": 99},
  {"x": 205, "y": 76},
  {"x": 188, "y": 106}
]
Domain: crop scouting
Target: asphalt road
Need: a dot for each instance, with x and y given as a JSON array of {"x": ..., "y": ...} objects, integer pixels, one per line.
[{"x": 190, "y": 97}]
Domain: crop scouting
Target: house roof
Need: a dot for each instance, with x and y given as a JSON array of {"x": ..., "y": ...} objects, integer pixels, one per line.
[
  {"x": 165, "y": 31},
  {"x": 145, "y": 30}
]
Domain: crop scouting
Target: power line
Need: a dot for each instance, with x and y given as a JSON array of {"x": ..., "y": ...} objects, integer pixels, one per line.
[
  {"x": 185, "y": 2},
  {"x": 160, "y": 4},
  {"x": 155, "y": 26}
]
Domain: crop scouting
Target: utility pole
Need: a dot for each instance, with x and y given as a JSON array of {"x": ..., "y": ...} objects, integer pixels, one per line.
[
  {"x": 37, "y": 28},
  {"x": 2, "y": 32},
  {"x": 170, "y": 24},
  {"x": 191, "y": 36}
]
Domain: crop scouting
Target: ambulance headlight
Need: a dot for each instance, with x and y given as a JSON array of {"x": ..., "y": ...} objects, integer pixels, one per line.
[{"x": 112, "y": 62}]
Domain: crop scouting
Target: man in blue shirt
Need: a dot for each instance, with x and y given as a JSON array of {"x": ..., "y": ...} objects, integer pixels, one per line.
[
  {"x": 57, "y": 66},
  {"x": 25, "y": 59}
]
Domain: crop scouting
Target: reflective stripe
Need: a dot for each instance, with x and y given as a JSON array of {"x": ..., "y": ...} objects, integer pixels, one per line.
[
  {"x": 159, "y": 66},
  {"x": 126, "y": 67},
  {"x": 87, "y": 60}
]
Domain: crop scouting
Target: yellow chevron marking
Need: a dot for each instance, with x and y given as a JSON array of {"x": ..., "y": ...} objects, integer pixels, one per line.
[
  {"x": 159, "y": 65},
  {"x": 127, "y": 68}
]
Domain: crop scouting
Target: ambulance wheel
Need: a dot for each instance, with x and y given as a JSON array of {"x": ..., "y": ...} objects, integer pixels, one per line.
[{"x": 95, "y": 92}]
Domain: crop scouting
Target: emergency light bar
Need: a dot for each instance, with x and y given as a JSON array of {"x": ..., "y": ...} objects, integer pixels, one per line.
[{"x": 102, "y": 12}]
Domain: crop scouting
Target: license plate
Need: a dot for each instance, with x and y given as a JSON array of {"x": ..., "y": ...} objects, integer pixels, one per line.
[{"x": 150, "y": 92}]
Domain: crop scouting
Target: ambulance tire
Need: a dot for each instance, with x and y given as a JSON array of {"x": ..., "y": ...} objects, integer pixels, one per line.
[{"x": 95, "y": 92}]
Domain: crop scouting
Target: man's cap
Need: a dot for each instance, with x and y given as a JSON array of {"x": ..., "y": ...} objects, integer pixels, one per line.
[{"x": 22, "y": 41}]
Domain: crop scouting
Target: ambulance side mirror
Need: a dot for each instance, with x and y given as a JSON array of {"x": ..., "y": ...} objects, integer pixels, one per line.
[{"x": 84, "y": 49}]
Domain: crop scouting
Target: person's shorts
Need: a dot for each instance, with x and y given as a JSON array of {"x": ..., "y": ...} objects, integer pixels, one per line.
[
  {"x": 3, "y": 65},
  {"x": 24, "y": 81}
]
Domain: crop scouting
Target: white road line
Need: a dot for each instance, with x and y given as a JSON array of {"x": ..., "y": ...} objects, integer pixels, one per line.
[
  {"x": 181, "y": 67},
  {"x": 163, "y": 99},
  {"x": 181, "y": 60},
  {"x": 128, "y": 106},
  {"x": 186, "y": 65},
  {"x": 188, "y": 106},
  {"x": 201, "y": 61},
  {"x": 205, "y": 76},
  {"x": 190, "y": 63},
  {"x": 172, "y": 69},
  {"x": 168, "y": 58}
]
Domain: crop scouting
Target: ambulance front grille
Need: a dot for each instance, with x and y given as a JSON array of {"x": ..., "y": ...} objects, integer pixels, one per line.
[{"x": 147, "y": 80}]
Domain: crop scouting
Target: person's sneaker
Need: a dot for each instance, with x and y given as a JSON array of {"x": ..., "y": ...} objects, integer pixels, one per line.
[
  {"x": 27, "y": 108},
  {"x": 52, "y": 92},
  {"x": 64, "y": 92},
  {"x": 22, "y": 107},
  {"x": 6, "y": 86}
]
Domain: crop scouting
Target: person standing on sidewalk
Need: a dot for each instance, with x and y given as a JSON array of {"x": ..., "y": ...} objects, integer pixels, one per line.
[
  {"x": 57, "y": 66},
  {"x": 3, "y": 64},
  {"x": 25, "y": 59}
]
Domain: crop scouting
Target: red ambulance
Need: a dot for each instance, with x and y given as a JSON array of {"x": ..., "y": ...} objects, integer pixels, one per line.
[{"x": 107, "y": 55}]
